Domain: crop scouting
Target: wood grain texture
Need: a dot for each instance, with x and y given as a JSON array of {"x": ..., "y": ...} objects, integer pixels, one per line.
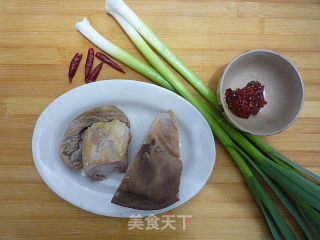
[{"x": 37, "y": 41}]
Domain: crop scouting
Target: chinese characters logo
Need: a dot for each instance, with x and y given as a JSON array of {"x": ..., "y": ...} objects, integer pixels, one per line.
[{"x": 153, "y": 222}]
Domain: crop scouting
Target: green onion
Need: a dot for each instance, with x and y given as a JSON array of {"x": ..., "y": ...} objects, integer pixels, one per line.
[{"x": 312, "y": 216}]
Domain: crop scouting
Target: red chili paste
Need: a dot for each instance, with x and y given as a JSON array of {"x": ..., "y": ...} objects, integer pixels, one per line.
[{"x": 246, "y": 101}]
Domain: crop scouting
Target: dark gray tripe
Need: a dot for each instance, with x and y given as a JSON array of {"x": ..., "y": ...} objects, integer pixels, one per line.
[{"x": 153, "y": 178}]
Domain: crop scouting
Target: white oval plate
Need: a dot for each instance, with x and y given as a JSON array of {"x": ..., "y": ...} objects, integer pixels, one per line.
[{"x": 140, "y": 102}]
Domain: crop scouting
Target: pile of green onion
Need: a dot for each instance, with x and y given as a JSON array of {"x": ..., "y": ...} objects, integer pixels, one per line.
[{"x": 296, "y": 187}]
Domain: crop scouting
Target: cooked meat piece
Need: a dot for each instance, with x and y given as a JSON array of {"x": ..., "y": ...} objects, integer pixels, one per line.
[
  {"x": 70, "y": 148},
  {"x": 105, "y": 149},
  {"x": 153, "y": 178}
]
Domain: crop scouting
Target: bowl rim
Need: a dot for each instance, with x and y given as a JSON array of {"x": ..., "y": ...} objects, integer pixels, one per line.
[{"x": 226, "y": 110}]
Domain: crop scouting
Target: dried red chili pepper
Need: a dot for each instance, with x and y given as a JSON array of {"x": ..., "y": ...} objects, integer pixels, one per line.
[
  {"x": 107, "y": 60},
  {"x": 74, "y": 65},
  {"x": 94, "y": 74},
  {"x": 89, "y": 62}
]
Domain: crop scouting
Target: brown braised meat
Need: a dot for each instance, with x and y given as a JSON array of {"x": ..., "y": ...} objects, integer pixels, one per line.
[
  {"x": 105, "y": 149},
  {"x": 153, "y": 178},
  {"x": 71, "y": 145}
]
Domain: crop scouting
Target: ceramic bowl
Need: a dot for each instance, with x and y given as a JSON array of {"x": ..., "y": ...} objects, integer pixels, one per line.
[{"x": 283, "y": 91}]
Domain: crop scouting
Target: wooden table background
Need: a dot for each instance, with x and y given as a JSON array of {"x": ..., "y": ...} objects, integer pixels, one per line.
[{"x": 37, "y": 41}]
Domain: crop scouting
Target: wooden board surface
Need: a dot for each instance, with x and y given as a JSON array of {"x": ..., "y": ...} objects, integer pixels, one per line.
[{"x": 37, "y": 41}]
